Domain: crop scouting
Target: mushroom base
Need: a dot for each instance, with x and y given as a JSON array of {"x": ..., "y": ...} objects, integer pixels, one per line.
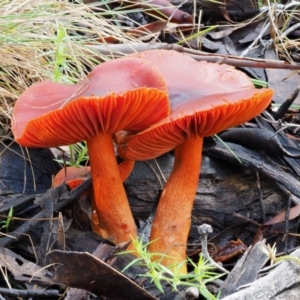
[{"x": 110, "y": 201}]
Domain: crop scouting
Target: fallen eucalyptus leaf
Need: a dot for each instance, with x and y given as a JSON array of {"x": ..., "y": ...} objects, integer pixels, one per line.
[{"x": 85, "y": 271}]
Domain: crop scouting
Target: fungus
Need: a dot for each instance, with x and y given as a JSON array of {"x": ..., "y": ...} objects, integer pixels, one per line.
[
  {"x": 126, "y": 93},
  {"x": 74, "y": 176},
  {"x": 205, "y": 99}
]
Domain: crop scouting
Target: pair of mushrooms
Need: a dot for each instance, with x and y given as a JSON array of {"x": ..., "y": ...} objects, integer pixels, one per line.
[{"x": 160, "y": 100}]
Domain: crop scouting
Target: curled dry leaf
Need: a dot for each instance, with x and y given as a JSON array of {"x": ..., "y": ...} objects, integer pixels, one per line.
[
  {"x": 163, "y": 8},
  {"x": 22, "y": 269},
  {"x": 232, "y": 249},
  {"x": 294, "y": 212},
  {"x": 85, "y": 271},
  {"x": 276, "y": 224},
  {"x": 142, "y": 32},
  {"x": 218, "y": 7}
]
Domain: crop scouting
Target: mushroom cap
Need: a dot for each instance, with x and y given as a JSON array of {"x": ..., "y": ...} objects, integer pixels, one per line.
[
  {"x": 127, "y": 93},
  {"x": 205, "y": 98},
  {"x": 204, "y": 117},
  {"x": 189, "y": 80},
  {"x": 72, "y": 176}
]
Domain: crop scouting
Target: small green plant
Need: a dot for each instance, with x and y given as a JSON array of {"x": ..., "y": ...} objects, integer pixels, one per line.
[
  {"x": 78, "y": 155},
  {"x": 5, "y": 223},
  {"x": 197, "y": 35},
  {"x": 78, "y": 151},
  {"x": 259, "y": 83},
  {"x": 226, "y": 146},
  {"x": 60, "y": 61},
  {"x": 202, "y": 274}
]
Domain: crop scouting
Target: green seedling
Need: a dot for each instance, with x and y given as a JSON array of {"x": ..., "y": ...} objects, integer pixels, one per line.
[
  {"x": 198, "y": 34},
  {"x": 78, "y": 151},
  {"x": 293, "y": 106},
  {"x": 204, "y": 274},
  {"x": 230, "y": 150},
  {"x": 60, "y": 61},
  {"x": 78, "y": 155},
  {"x": 202, "y": 270},
  {"x": 5, "y": 223},
  {"x": 259, "y": 83}
]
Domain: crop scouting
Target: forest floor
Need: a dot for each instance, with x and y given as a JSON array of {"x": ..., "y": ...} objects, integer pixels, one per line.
[{"x": 248, "y": 191}]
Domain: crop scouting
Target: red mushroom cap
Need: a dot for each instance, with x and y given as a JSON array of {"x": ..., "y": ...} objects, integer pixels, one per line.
[
  {"x": 205, "y": 99},
  {"x": 189, "y": 80},
  {"x": 112, "y": 98},
  {"x": 208, "y": 116},
  {"x": 72, "y": 176}
]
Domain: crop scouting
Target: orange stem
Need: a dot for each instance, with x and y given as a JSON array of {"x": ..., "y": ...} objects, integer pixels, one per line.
[
  {"x": 125, "y": 168},
  {"x": 172, "y": 219},
  {"x": 110, "y": 200}
]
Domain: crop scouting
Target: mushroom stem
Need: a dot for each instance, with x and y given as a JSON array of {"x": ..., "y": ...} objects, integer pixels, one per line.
[
  {"x": 110, "y": 200},
  {"x": 172, "y": 219},
  {"x": 125, "y": 168}
]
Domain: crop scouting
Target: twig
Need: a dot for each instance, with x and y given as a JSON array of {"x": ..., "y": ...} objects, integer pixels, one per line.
[
  {"x": 286, "y": 105},
  {"x": 257, "y": 39},
  {"x": 246, "y": 219},
  {"x": 119, "y": 50},
  {"x": 290, "y": 29},
  {"x": 37, "y": 294},
  {"x": 278, "y": 9},
  {"x": 286, "y": 220},
  {"x": 260, "y": 196},
  {"x": 26, "y": 227}
]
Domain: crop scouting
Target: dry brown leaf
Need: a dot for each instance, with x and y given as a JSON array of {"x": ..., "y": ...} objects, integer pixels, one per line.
[
  {"x": 21, "y": 269},
  {"x": 232, "y": 249},
  {"x": 85, "y": 271}
]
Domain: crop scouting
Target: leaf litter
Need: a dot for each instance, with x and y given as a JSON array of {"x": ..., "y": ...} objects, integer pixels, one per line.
[{"x": 256, "y": 36}]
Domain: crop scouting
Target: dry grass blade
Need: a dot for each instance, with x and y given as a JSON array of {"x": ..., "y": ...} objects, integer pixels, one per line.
[{"x": 47, "y": 40}]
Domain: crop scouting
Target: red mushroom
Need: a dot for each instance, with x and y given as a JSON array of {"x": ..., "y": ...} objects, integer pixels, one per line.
[
  {"x": 205, "y": 99},
  {"x": 127, "y": 93},
  {"x": 74, "y": 176}
]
